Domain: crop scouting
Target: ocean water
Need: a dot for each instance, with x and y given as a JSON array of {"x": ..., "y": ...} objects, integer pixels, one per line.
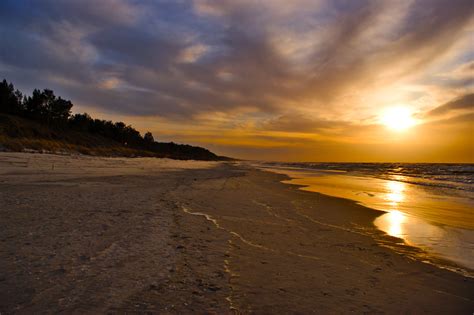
[
  {"x": 453, "y": 176},
  {"x": 429, "y": 206}
]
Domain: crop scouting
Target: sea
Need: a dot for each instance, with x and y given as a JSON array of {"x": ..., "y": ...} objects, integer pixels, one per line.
[{"x": 428, "y": 205}]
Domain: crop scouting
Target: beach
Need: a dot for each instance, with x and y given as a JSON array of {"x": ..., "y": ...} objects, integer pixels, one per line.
[
  {"x": 429, "y": 206},
  {"x": 95, "y": 235}
]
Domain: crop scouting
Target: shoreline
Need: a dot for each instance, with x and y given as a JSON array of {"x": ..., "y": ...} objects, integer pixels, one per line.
[
  {"x": 416, "y": 253},
  {"x": 448, "y": 245},
  {"x": 115, "y": 237}
]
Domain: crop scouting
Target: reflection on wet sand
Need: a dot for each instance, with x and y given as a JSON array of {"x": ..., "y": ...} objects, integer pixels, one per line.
[
  {"x": 395, "y": 192},
  {"x": 437, "y": 239},
  {"x": 435, "y": 221},
  {"x": 446, "y": 242},
  {"x": 392, "y": 222}
]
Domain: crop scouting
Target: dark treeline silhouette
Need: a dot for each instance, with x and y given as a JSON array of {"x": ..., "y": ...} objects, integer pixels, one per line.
[{"x": 55, "y": 113}]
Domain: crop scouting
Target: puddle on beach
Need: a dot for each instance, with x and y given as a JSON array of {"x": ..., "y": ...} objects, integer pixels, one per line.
[{"x": 439, "y": 222}]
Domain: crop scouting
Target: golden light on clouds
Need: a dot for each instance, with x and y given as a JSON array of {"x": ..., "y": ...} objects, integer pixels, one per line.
[{"x": 303, "y": 80}]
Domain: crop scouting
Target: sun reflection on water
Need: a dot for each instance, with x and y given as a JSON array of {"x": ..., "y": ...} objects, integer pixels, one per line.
[
  {"x": 395, "y": 192},
  {"x": 409, "y": 210},
  {"x": 394, "y": 220}
]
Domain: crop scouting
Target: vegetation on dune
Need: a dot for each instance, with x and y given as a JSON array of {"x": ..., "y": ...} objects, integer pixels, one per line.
[{"x": 43, "y": 122}]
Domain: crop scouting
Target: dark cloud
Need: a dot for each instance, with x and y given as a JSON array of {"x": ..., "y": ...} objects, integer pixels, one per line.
[
  {"x": 465, "y": 102},
  {"x": 179, "y": 58},
  {"x": 303, "y": 123}
]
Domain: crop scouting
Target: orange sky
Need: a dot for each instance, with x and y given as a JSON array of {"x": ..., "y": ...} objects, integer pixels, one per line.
[{"x": 273, "y": 80}]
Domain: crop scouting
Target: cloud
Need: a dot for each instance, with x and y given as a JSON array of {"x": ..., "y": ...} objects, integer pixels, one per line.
[
  {"x": 464, "y": 102},
  {"x": 303, "y": 123},
  {"x": 192, "y": 53},
  {"x": 315, "y": 67}
]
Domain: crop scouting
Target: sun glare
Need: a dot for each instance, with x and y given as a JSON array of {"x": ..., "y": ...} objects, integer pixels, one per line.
[{"x": 398, "y": 118}]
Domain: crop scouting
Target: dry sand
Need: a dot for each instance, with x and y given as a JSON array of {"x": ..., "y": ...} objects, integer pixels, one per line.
[{"x": 95, "y": 235}]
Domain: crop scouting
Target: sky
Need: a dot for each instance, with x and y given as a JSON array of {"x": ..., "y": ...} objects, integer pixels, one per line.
[{"x": 300, "y": 80}]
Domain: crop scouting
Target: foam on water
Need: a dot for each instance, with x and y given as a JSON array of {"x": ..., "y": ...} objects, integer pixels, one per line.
[{"x": 454, "y": 176}]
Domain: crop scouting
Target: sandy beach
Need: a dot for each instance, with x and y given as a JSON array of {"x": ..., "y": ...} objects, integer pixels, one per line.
[{"x": 115, "y": 235}]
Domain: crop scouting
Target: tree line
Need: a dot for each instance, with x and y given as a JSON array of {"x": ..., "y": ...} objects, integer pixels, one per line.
[{"x": 55, "y": 112}]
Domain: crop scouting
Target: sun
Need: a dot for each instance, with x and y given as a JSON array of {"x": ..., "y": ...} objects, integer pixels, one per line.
[{"x": 398, "y": 118}]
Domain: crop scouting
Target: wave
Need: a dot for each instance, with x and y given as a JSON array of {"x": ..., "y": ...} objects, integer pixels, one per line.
[{"x": 446, "y": 175}]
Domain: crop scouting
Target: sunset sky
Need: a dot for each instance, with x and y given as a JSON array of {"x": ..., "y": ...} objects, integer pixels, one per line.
[{"x": 300, "y": 80}]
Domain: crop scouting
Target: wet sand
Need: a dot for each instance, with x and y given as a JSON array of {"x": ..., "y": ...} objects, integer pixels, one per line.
[
  {"x": 96, "y": 235},
  {"x": 438, "y": 220}
]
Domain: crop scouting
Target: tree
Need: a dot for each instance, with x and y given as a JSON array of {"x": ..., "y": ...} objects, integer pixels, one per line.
[
  {"x": 59, "y": 110},
  {"x": 47, "y": 107},
  {"x": 10, "y": 100},
  {"x": 81, "y": 122},
  {"x": 148, "y": 138},
  {"x": 35, "y": 105}
]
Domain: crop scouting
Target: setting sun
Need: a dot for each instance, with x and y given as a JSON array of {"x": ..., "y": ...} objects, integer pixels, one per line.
[
  {"x": 236, "y": 156},
  {"x": 398, "y": 118}
]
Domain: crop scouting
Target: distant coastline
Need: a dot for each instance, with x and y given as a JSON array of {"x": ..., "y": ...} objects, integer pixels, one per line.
[{"x": 43, "y": 123}]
